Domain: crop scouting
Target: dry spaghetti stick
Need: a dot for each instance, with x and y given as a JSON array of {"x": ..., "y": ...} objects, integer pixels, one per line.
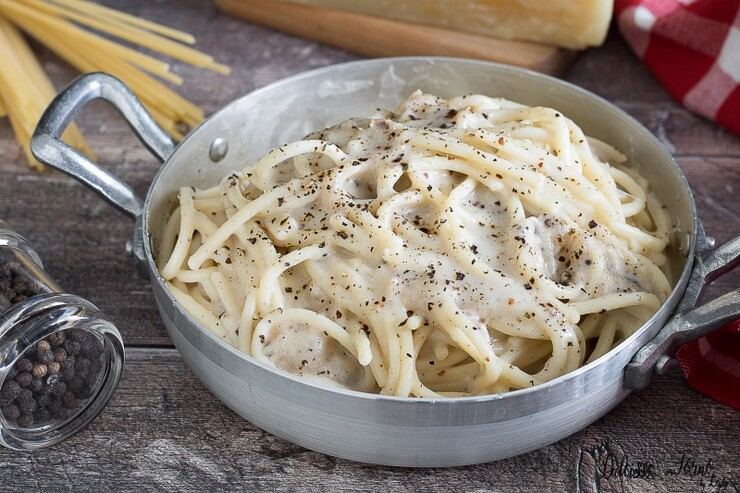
[
  {"x": 140, "y": 37},
  {"x": 71, "y": 32},
  {"x": 88, "y": 63},
  {"x": 26, "y": 90},
  {"x": 152, "y": 92},
  {"x": 51, "y": 21},
  {"x": 147, "y": 88},
  {"x": 84, "y": 14},
  {"x": 43, "y": 85},
  {"x": 165, "y": 122},
  {"x": 3, "y": 111},
  {"x": 165, "y": 112},
  {"x": 92, "y": 57},
  {"x": 103, "y": 13}
]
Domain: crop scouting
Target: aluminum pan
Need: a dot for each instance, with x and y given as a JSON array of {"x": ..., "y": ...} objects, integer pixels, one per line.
[{"x": 290, "y": 108}]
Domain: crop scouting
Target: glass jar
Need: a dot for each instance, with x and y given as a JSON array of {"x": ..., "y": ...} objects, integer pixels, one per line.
[{"x": 60, "y": 358}]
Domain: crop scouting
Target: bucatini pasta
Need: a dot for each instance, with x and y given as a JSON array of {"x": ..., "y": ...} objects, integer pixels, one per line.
[{"x": 448, "y": 248}]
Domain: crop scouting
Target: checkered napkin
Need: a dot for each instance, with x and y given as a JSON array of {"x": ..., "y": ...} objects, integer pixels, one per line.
[{"x": 693, "y": 49}]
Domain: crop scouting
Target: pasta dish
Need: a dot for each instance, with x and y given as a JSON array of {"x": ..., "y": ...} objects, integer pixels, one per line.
[{"x": 447, "y": 248}]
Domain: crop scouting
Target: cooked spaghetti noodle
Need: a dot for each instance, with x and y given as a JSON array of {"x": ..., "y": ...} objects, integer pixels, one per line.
[{"x": 449, "y": 248}]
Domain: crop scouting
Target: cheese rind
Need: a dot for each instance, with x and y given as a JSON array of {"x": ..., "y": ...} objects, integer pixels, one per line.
[{"x": 573, "y": 24}]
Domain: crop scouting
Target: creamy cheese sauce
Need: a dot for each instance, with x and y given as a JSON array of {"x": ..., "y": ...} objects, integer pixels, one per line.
[{"x": 449, "y": 247}]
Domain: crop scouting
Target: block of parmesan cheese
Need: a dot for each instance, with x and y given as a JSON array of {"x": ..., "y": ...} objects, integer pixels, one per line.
[{"x": 573, "y": 24}]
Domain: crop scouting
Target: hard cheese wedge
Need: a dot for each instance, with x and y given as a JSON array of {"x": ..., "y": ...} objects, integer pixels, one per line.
[
  {"x": 377, "y": 36},
  {"x": 568, "y": 23}
]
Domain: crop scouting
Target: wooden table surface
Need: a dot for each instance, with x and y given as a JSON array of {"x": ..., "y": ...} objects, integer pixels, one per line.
[{"x": 164, "y": 431}]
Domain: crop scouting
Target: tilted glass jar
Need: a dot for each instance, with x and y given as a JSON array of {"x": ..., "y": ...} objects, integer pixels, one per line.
[{"x": 60, "y": 358}]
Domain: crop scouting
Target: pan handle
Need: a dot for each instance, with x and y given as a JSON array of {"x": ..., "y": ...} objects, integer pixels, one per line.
[
  {"x": 690, "y": 322},
  {"x": 48, "y": 148}
]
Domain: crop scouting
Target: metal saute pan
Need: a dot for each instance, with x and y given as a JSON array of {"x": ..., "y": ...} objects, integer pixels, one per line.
[{"x": 368, "y": 427}]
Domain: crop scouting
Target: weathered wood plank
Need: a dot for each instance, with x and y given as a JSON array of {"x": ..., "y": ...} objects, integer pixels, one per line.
[
  {"x": 164, "y": 431},
  {"x": 716, "y": 185}
]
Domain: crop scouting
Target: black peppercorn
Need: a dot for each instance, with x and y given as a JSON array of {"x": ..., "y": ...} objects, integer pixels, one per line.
[
  {"x": 24, "y": 379},
  {"x": 90, "y": 346},
  {"x": 59, "y": 389},
  {"x": 68, "y": 373},
  {"x": 37, "y": 384},
  {"x": 54, "y": 368},
  {"x": 28, "y": 406},
  {"x": 25, "y": 421},
  {"x": 83, "y": 376},
  {"x": 51, "y": 381},
  {"x": 83, "y": 393},
  {"x": 57, "y": 338},
  {"x": 70, "y": 400},
  {"x": 77, "y": 383},
  {"x": 39, "y": 370},
  {"x": 72, "y": 347},
  {"x": 55, "y": 404},
  {"x": 70, "y": 361},
  {"x": 43, "y": 400},
  {"x": 60, "y": 355},
  {"x": 11, "y": 389},
  {"x": 25, "y": 395},
  {"x": 11, "y": 412},
  {"x": 45, "y": 357},
  {"x": 82, "y": 364},
  {"x": 42, "y": 347},
  {"x": 24, "y": 364},
  {"x": 41, "y": 416}
]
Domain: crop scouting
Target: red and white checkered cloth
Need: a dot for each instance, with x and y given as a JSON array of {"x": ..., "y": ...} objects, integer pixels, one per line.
[{"x": 693, "y": 49}]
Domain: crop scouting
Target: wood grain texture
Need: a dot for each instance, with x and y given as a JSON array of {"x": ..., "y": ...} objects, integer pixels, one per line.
[{"x": 164, "y": 431}]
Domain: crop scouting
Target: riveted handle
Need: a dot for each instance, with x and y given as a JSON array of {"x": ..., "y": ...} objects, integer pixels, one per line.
[
  {"x": 48, "y": 148},
  {"x": 720, "y": 260},
  {"x": 690, "y": 322}
]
